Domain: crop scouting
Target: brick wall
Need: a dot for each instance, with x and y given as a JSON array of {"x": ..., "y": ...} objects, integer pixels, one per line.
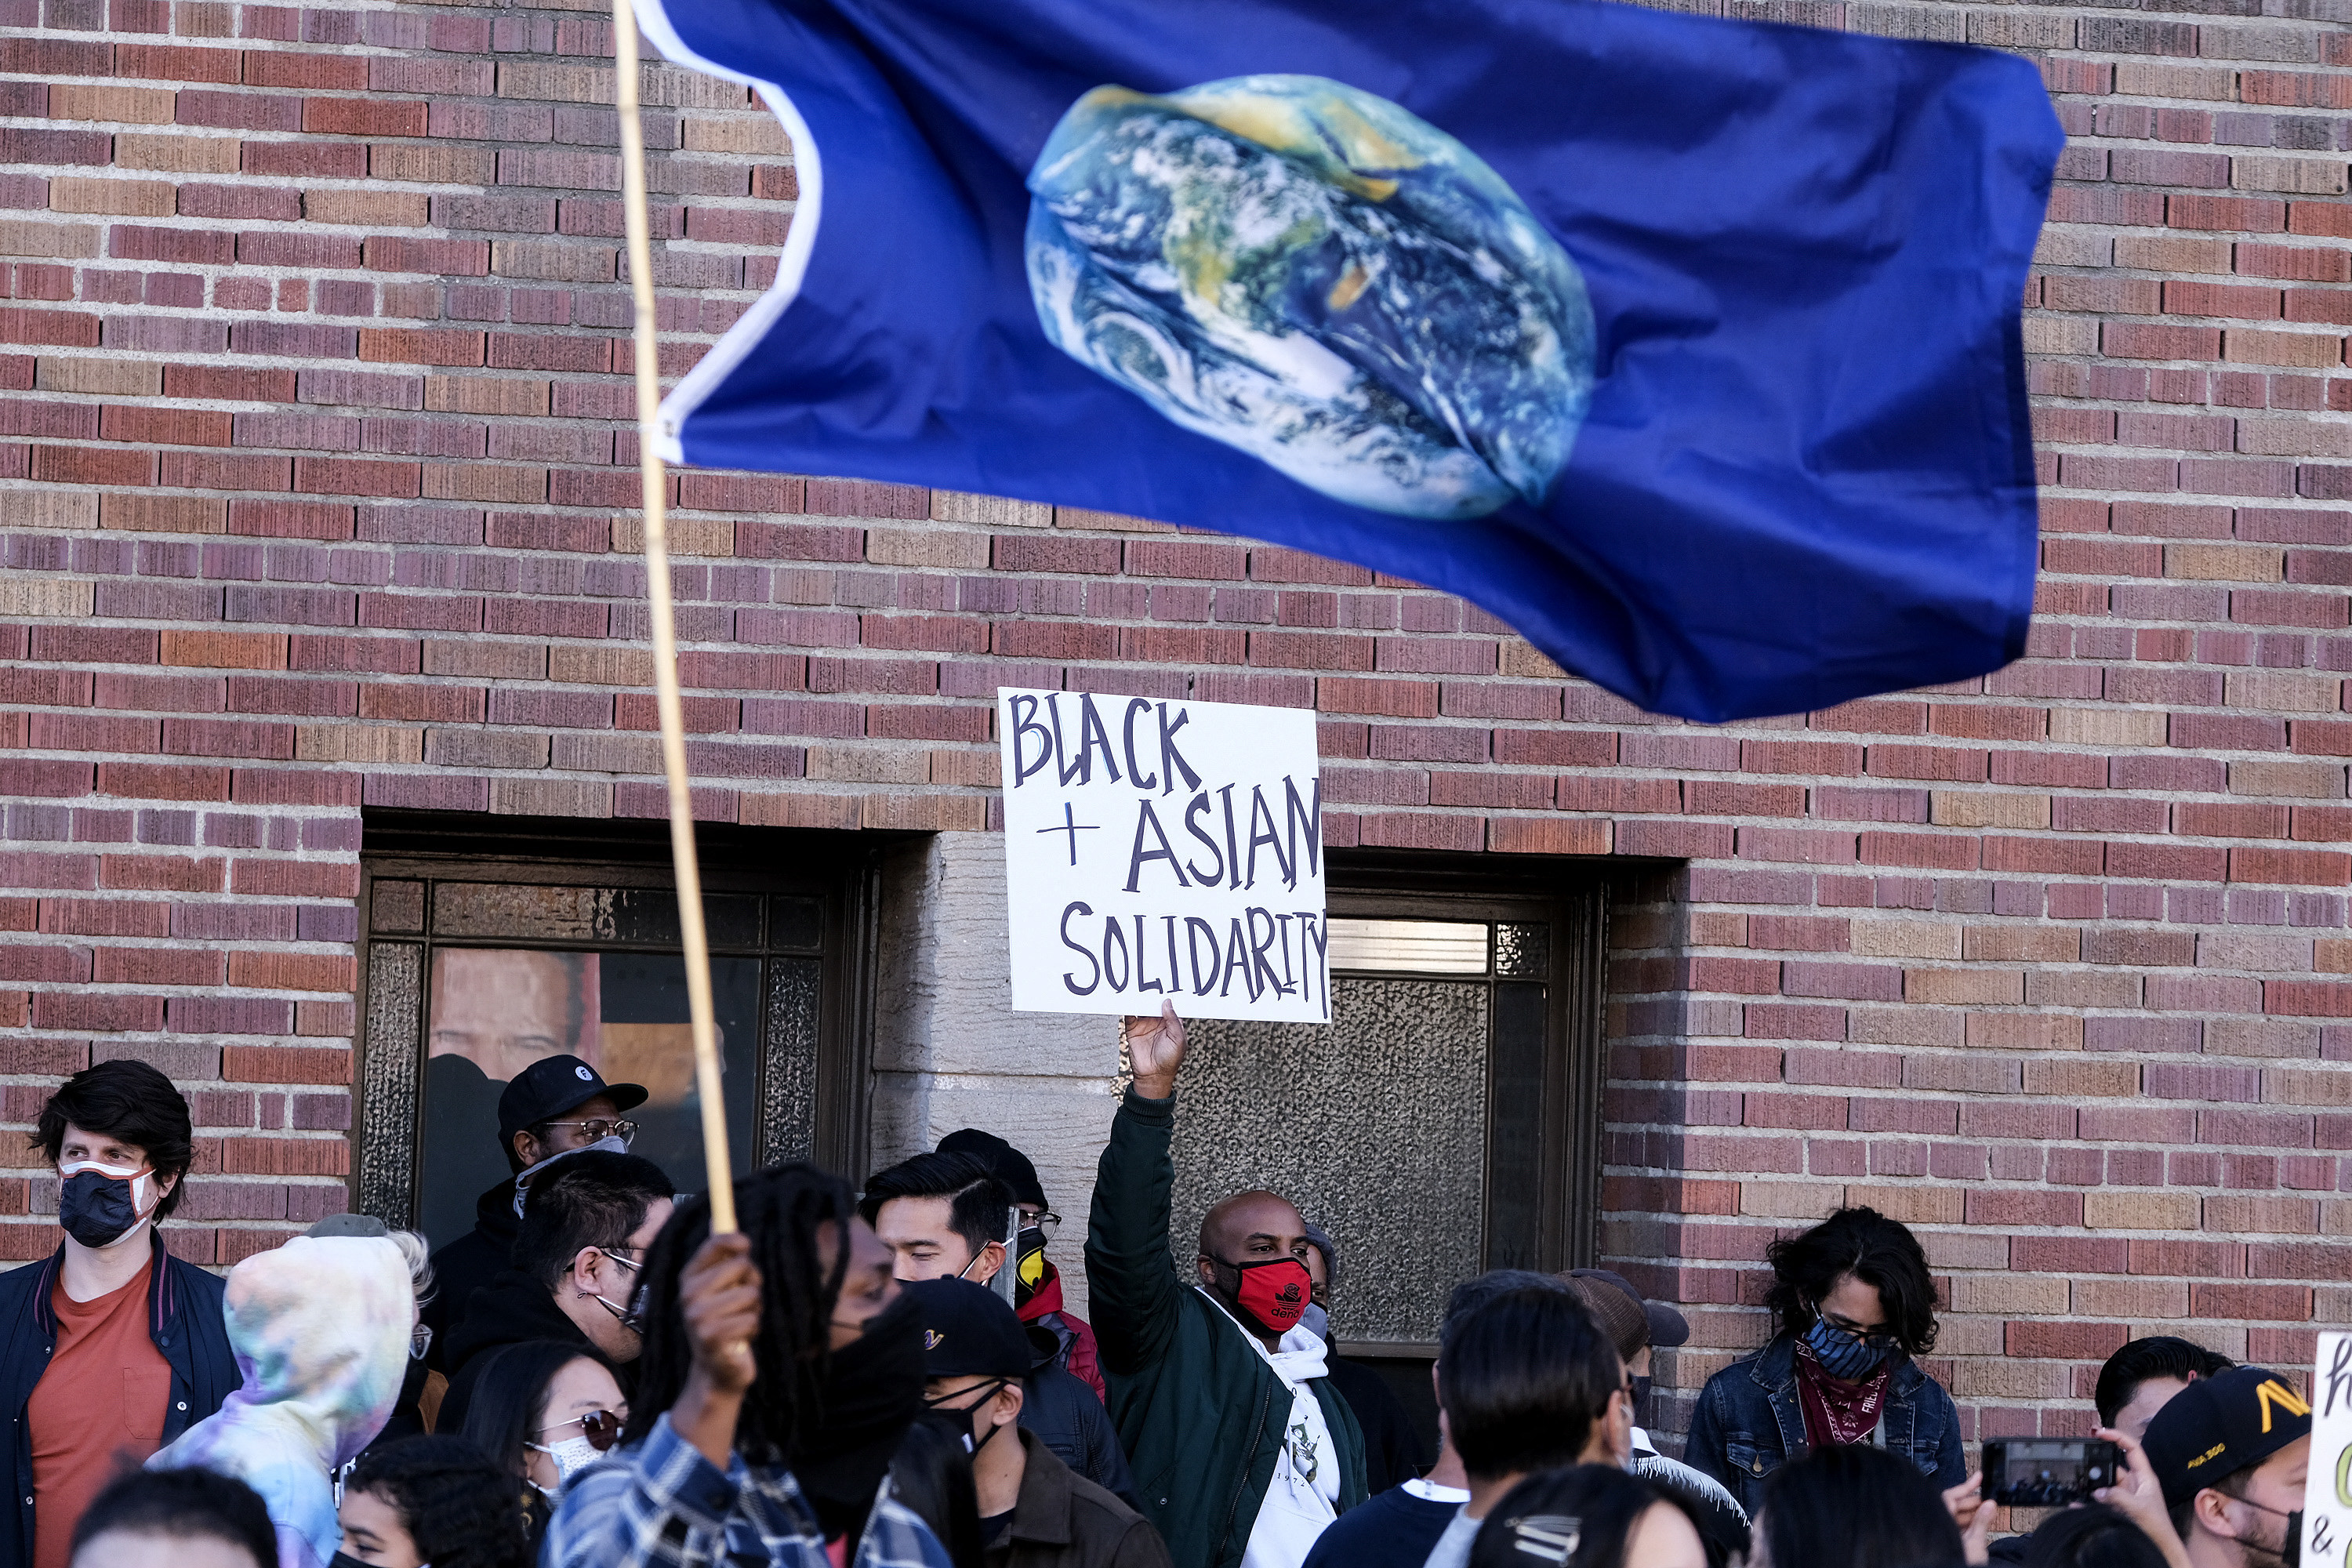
[{"x": 313, "y": 470}]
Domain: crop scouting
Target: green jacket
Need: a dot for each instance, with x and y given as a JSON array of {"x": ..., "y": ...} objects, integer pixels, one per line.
[{"x": 1200, "y": 1411}]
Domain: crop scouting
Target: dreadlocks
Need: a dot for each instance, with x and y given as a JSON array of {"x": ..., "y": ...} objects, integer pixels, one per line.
[{"x": 781, "y": 1209}]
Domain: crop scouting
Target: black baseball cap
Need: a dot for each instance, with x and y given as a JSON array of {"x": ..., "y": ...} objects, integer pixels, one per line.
[
  {"x": 1005, "y": 1162},
  {"x": 969, "y": 1330},
  {"x": 2220, "y": 1425},
  {"x": 1667, "y": 1327},
  {"x": 553, "y": 1084}
]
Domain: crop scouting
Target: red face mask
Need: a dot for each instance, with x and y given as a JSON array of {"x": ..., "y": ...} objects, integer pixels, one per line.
[{"x": 1270, "y": 1294}]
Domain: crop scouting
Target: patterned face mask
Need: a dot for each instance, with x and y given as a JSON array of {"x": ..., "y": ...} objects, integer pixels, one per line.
[{"x": 1843, "y": 1352}]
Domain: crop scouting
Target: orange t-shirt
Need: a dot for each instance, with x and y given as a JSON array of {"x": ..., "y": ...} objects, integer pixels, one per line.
[{"x": 97, "y": 1411}]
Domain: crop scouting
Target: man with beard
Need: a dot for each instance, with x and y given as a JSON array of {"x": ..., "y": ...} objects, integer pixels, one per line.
[
  {"x": 2231, "y": 1452},
  {"x": 1243, "y": 1448},
  {"x": 783, "y": 1364}
]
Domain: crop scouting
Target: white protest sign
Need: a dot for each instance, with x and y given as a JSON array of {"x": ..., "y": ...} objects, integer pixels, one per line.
[
  {"x": 1163, "y": 850},
  {"x": 2328, "y": 1493}
]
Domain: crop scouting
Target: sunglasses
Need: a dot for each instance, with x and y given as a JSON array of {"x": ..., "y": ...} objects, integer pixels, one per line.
[{"x": 601, "y": 1428}]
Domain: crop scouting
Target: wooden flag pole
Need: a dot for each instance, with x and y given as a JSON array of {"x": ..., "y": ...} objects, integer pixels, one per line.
[{"x": 718, "y": 1168}]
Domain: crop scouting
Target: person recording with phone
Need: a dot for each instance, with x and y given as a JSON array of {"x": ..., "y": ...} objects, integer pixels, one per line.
[
  {"x": 1245, "y": 1450},
  {"x": 115, "y": 1347},
  {"x": 1852, "y": 1307}
]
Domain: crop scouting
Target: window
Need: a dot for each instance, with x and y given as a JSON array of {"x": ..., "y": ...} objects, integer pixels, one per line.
[
  {"x": 492, "y": 944},
  {"x": 1445, "y": 1121}
]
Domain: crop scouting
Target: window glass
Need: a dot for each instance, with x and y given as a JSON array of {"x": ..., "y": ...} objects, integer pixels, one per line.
[{"x": 492, "y": 1011}]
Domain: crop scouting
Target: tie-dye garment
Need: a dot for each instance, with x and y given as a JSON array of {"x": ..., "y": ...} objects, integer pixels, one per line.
[{"x": 320, "y": 1328}]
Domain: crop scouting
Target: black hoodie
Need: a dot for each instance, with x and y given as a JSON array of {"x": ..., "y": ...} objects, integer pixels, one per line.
[
  {"x": 509, "y": 1310},
  {"x": 468, "y": 1263}
]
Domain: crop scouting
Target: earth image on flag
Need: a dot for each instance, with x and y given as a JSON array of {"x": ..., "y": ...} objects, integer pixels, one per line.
[{"x": 1317, "y": 276}]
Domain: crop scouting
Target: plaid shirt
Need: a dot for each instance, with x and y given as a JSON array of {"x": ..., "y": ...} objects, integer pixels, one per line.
[{"x": 661, "y": 1504}]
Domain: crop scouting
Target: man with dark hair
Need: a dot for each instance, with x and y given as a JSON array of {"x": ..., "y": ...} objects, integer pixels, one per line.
[
  {"x": 1853, "y": 1309},
  {"x": 1033, "y": 1512},
  {"x": 2137, "y": 1381},
  {"x": 194, "y": 1519},
  {"x": 1219, "y": 1389},
  {"x": 1527, "y": 1383},
  {"x": 1037, "y": 1284},
  {"x": 2141, "y": 1378},
  {"x": 585, "y": 1229},
  {"x": 1628, "y": 1322},
  {"x": 943, "y": 1217},
  {"x": 555, "y": 1106},
  {"x": 2231, "y": 1452},
  {"x": 782, "y": 1368},
  {"x": 115, "y": 1347},
  {"x": 1398, "y": 1528}
]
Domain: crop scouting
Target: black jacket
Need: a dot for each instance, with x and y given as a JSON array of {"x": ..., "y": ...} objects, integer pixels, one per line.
[
  {"x": 509, "y": 1310},
  {"x": 183, "y": 1319},
  {"x": 468, "y": 1263},
  {"x": 1063, "y": 1412},
  {"x": 1392, "y": 1450}
]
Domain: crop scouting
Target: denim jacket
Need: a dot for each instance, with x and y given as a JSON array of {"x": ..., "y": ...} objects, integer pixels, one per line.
[{"x": 1749, "y": 1421}]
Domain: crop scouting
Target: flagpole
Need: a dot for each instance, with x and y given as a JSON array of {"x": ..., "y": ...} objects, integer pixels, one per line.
[{"x": 718, "y": 1168}]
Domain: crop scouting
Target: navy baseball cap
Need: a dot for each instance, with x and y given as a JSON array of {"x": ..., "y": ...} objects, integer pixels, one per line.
[
  {"x": 552, "y": 1086},
  {"x": 968, "y": 1331},
  {"x": 2220, "y": 1425}
]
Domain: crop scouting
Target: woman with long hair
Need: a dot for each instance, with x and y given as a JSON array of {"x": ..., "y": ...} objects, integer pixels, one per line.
[
  {"x": 1853, "y": 1309},
  {"x": 545, "y": 1412}
]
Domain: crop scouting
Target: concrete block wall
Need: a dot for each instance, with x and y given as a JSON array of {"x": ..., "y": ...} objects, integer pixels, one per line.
[{"x": 314, "y": 478}]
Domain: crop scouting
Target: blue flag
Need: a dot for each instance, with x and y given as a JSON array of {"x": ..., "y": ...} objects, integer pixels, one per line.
[{"x": 1689, "y": 348}]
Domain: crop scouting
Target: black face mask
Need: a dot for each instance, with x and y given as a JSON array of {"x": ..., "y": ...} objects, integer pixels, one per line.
[
  {"x": 954, "y": 1421},
  {"x": 97, "y": 1209},
  {"x": 345, "y": 1560},
  {"x": 1641, "y": 1400},
  {"x": 873, "y": 1391}
]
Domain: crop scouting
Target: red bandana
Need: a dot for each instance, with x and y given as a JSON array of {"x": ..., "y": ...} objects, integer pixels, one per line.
[{"x": 1838, "y": 1413}]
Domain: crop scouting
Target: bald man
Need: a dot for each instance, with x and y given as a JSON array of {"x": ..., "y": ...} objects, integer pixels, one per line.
[{"x": 1241, "y": 1449}]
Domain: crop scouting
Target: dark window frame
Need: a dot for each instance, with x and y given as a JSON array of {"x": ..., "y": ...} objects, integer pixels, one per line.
[
  {"x": 1571, "y": 895},
  {"x": 843, "y": 869}
]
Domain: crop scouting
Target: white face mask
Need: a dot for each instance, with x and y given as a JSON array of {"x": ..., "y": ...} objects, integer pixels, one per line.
[{"x": 572, "y": 1456}]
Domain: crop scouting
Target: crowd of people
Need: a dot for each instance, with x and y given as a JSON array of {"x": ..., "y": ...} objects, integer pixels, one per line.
[{"x": 852, "y": 1379}]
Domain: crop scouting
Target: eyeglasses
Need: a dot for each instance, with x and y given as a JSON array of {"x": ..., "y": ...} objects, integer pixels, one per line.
[
  {"x": 614, "y": 1253},
  {"x": 1877, "y": 1339},
  {"x": 601, "y": 1428},
  {"x": 600, "y": 1127},
  {"x": 1045, "y": 1222}
]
